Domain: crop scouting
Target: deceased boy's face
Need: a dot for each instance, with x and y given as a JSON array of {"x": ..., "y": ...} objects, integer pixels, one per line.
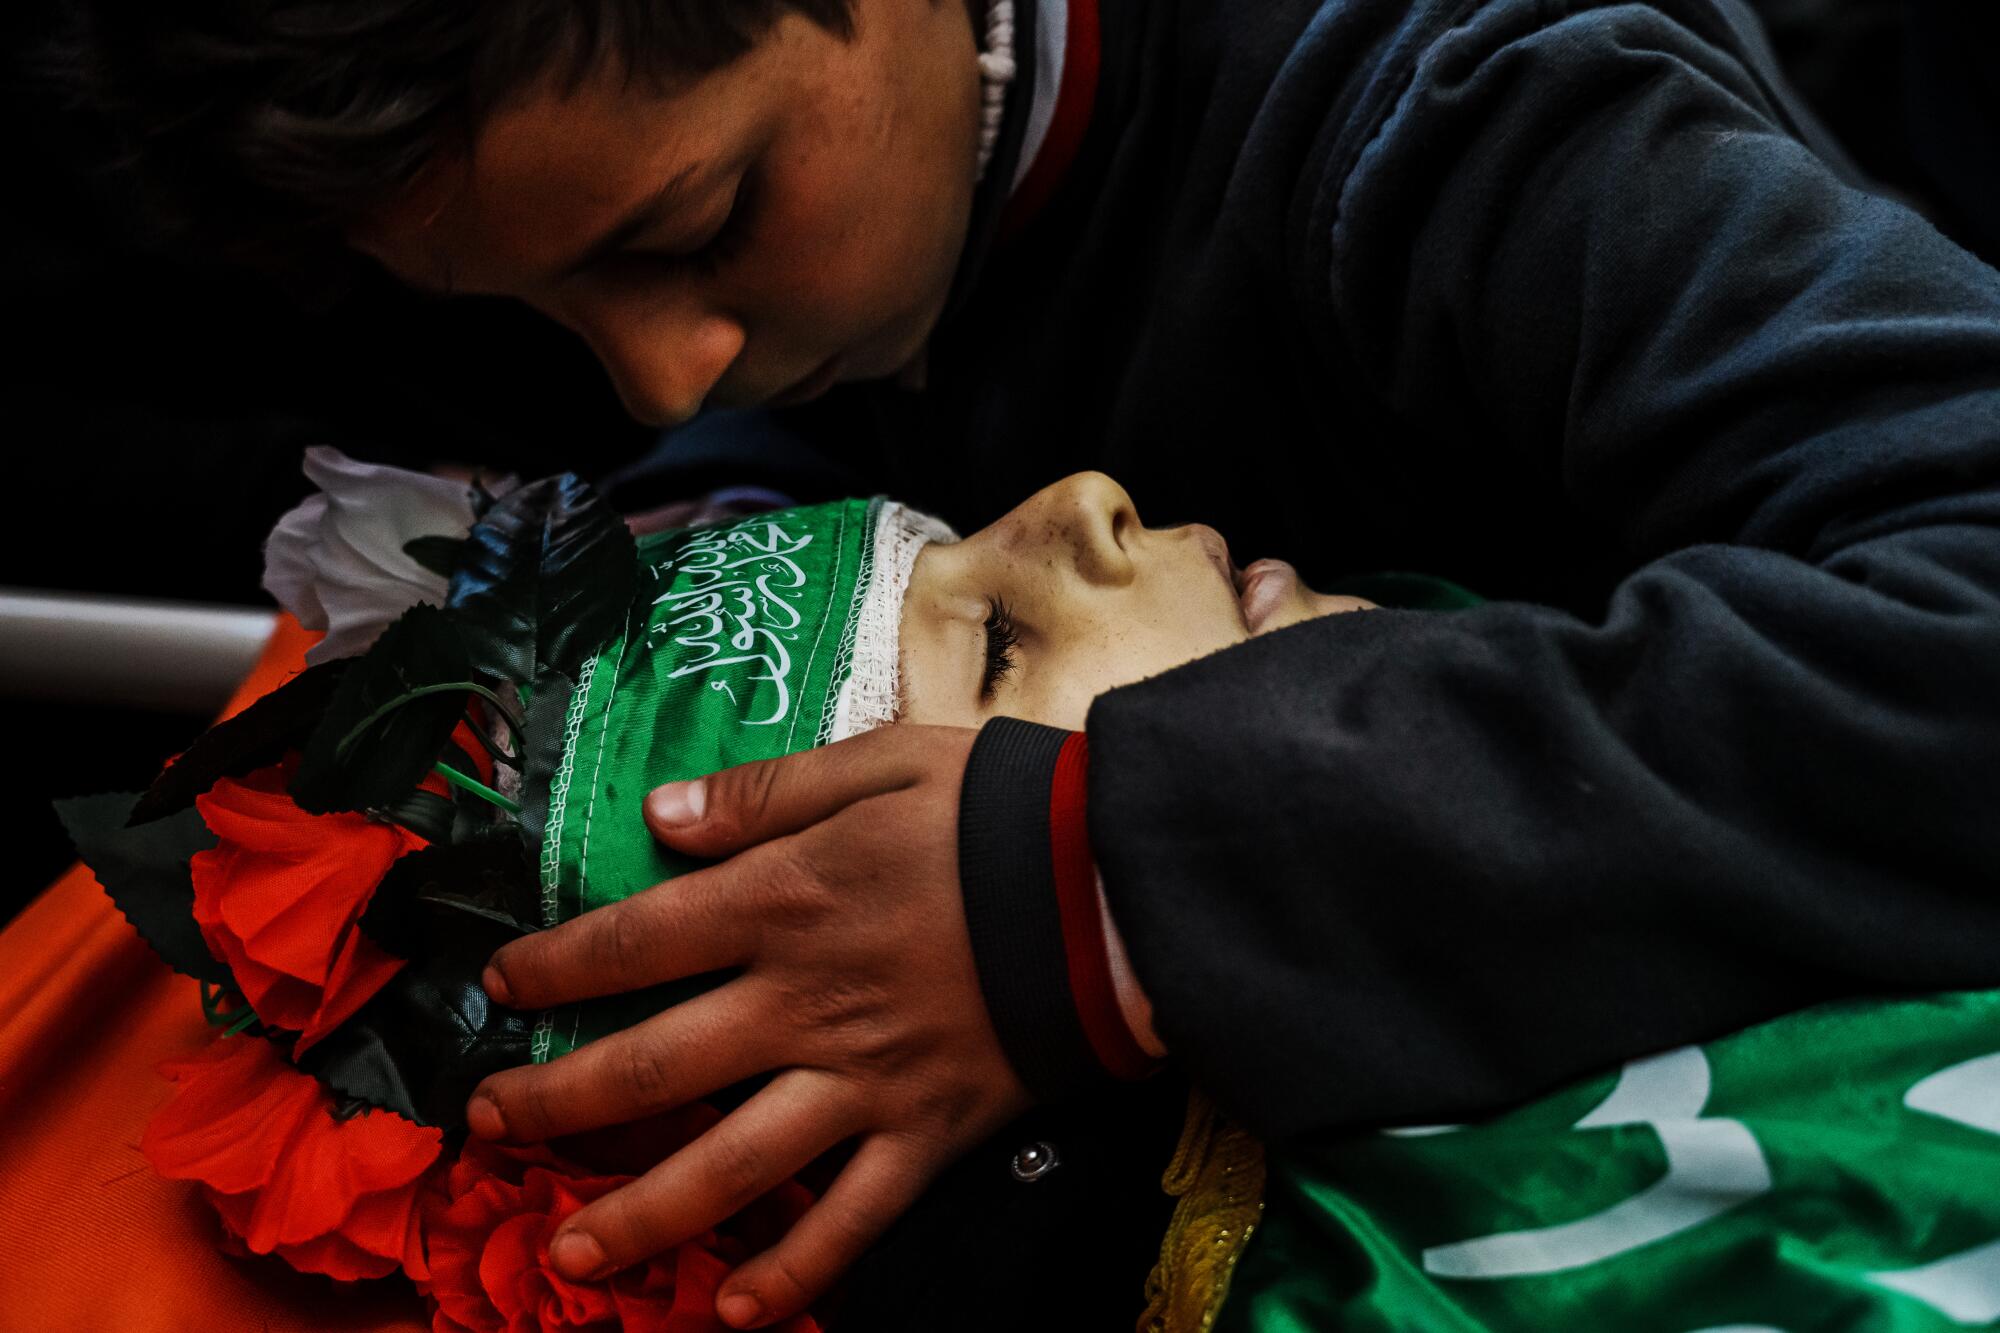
[
  {"x": 751, "y": 236},
  {"x": 1070, "y": 595}
]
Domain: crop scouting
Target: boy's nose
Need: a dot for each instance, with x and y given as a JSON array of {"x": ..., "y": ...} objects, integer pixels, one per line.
[
  {"x": 663, "y": 364},
  {"x": 1096, "y": 519}
]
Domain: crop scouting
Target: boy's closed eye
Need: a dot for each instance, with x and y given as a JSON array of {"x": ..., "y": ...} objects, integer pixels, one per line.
[{"x": 1003, "y": 643}]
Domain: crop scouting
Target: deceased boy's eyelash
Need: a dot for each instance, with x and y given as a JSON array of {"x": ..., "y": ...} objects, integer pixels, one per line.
[{"x": 1001, "y": 640}]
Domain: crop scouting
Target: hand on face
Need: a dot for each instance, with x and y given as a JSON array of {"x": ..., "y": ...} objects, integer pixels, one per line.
[{"x": 841, "y": 903}]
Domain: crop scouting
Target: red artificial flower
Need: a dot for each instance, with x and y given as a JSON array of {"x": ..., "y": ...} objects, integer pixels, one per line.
[
  {"x": 280, "y": 898},
  {"x": 330, "y": 1196},
  {"x": 488, "y": 1237}
]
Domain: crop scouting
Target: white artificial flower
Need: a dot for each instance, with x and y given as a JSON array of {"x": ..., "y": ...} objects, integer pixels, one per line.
[{"x": 337, "y": 561}]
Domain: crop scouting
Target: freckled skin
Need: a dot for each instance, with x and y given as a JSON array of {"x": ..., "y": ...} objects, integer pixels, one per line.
[
  {"x": 854, "y": 161},
  {"x": 1098, "y": 601}
]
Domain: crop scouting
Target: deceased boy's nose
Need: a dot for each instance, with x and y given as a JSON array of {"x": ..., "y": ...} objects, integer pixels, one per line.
[{"x": 1089, "y": 514}]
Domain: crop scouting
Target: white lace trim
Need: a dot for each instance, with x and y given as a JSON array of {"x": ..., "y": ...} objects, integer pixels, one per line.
[
  {"x": 996, "y": 71},
  {"x": 869, "y": 698}
]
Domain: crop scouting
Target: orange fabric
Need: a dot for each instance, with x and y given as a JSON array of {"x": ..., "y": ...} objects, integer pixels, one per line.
[{"x": 90, "y": 1238}]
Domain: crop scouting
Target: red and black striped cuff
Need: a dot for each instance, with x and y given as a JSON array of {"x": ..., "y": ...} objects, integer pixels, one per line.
[{"x": 1031, "y": 905}]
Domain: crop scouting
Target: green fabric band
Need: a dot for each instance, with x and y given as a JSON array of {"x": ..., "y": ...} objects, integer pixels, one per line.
[{"x": 738, "y": 644}]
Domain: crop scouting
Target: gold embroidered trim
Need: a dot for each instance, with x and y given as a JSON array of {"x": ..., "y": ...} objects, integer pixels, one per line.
[{"x": 1217, "y": 1173}]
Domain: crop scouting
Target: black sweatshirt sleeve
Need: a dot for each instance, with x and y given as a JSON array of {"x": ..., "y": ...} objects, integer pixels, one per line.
[
  {"x": 1012, "y": 911},
  {"x": 1397, "y": 866}
]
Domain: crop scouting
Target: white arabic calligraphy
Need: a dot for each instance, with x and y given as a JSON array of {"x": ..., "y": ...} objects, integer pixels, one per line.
[{"x": 730, "y": 602}]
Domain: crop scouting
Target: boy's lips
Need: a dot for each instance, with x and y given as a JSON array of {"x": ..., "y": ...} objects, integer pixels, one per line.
[{"x": 1262, "y": 591}]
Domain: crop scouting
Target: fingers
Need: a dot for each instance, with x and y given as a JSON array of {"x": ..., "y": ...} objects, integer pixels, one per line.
[
  {"x": 681, "y": 928},
  {"x": 751, "y": 1151},
  {"x": 878, "y": 1185},
  {"x": 755, "y": 802},
  {"x": 708, "y": 1042}
]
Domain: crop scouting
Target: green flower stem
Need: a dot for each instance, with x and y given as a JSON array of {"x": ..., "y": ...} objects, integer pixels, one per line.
[
  {"x": 477, "y": 788},
  {"x": 242, "y": 1023},
  {"x": 421, "y": 692}
]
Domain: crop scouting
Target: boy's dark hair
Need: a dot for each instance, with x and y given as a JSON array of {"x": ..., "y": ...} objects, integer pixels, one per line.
[{"x": 263, "y": 128}]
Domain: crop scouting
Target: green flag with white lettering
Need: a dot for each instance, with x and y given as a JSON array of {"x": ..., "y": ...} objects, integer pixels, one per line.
[{"x": 1837, "y": 1169}]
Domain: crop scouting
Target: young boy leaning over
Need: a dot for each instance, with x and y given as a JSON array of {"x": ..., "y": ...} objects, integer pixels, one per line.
[{"x": 1564, "y": 301}]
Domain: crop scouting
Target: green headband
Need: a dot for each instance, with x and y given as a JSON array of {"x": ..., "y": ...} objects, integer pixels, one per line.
[{"x": 767, "y": 636}]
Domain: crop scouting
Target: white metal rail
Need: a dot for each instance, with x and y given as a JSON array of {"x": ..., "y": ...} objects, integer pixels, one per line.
[{"x": 181, "y": 657}]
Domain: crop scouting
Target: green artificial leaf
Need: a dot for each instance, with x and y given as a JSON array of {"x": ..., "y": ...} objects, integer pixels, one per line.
[
  {"x": 425, "y": 1040},
  {"x": 255, "y": 737},
  {"x": 145, "y": 870},
  {"x": 438, "y": 554},
  {"x": 544, "y": 581},
  {"x": 390, "y": 718}
]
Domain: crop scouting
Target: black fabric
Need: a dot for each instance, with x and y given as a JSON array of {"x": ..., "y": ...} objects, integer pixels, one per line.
[
  {"x": 1912, "y": 89},
  {"x": 1066, "y": 1253},
  {"x": 1011, "y": 911},
  {"x": 1951, "y": 91},
  {"x": 1554, "y": 300}
]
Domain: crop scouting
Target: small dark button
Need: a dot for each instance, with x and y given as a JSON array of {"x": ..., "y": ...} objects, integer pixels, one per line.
[{"x": 1034, "y": 1161}]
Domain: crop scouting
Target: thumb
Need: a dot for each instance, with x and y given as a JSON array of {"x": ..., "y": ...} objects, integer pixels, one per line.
[{"x": 769, "y": 798}]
